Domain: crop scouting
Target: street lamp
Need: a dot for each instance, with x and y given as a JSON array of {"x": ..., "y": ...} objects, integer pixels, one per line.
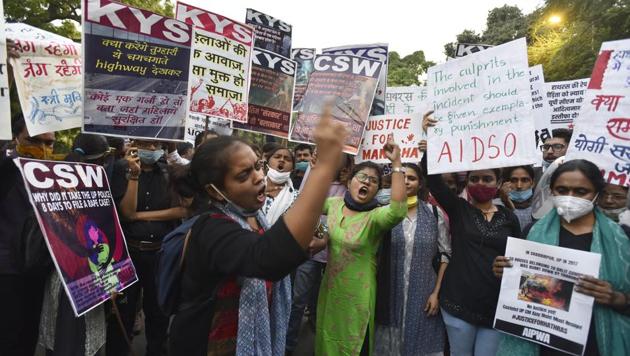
[{"x": 555, "y": 19}]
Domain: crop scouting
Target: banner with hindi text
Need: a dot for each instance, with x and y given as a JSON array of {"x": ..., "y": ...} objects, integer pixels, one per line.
[
  {"x": 565, "y": 99},
  {"x": 271, "y": 34},
  {"x": 406, "y": 100}
]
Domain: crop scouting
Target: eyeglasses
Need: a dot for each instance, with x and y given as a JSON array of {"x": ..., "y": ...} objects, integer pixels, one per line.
[
  {"x": 485, "y": 179},
  {"x": 364, "y": 178},
  {"x": 556, "y": 147}
]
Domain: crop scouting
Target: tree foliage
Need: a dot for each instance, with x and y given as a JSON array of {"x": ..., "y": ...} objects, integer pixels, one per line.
[
  {"x": 407, "y": 70},
  {"x": 504, "y": 24},
  {"x": 467, "y": 36}
]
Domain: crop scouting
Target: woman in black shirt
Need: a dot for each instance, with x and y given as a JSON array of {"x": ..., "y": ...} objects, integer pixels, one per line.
[
  {"x": 479, "y": 232},
  {"x": 230, "y": 252}
]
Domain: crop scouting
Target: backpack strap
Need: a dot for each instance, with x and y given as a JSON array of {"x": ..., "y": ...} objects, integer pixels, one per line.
[{"x": 184, "y": 249}]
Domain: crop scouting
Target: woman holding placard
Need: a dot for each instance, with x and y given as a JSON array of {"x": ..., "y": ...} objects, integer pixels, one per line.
[
  {"x": 479, "y": 230},
  {"x": 574, "y": 223}
]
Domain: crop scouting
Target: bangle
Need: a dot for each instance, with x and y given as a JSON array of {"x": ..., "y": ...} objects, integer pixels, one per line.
[{"x": 398, "y": 170}]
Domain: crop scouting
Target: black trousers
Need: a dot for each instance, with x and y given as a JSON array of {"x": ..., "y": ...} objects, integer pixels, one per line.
[
  {"x": 156, "y": 323},
  {"x": 21, "y": 297}
]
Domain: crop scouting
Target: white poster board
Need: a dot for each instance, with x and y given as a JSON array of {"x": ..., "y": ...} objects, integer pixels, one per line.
[
  {"x": 5, "y": 103},
  {"x": 406, "y": 131}
]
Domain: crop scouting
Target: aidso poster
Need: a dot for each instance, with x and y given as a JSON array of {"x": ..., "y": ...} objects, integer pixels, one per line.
[
  {"x": 77, "y": 216},
  {"x": 538, "y": 301}
]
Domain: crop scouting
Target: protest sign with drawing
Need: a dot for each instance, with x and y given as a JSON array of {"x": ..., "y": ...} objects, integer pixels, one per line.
[
  {"x": 565, "y": 99},
  {"x": 136, "y": 74},
  {"x": 602, "y": 130},
  {"x": 47, "y": 77},
  {"x": 196, "y": 124},
  {"x": 270, "y": 94},
  {"x": 5, "y": 115},
  {"x": 406, "y": 100},
  {"x": 77, "y": 216},
  {"x": 304, "y": 58},
  {"x": 271, "y": 34},
  {"x": 377, "y": 52},
  {"x": 483, "y": 105},
  {"x": 348, "y": 83},
  {"x": 538, "y": 301},
  {"x": 219, "y": 64},
  {"x": 406, "y": 131}
]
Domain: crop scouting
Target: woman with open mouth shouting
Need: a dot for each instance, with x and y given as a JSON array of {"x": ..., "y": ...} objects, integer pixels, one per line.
[
  {"x": 347, "y": 298},
  {"x": 228, "y": 303},
  {"x": 279, "y": 188}
]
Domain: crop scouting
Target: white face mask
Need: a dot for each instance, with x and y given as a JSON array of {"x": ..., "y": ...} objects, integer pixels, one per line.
[
  {"x": 614, "y": 213},
  {"x": 571, "y": 208},
  {"x": 278, "y": 177}
]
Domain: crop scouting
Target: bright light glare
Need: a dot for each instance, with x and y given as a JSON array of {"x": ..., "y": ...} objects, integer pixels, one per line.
[{"x": 555, "y": 19}]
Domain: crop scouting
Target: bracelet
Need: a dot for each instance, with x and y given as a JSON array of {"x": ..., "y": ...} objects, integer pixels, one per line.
[
  {"x": 398, "y": 170},
  {"x": 131, "y": 176}
]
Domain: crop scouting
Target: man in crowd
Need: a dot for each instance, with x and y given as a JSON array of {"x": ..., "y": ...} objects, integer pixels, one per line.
[
  {"x": 556, "y": 146},
  {"x": 303, "y": 155}
]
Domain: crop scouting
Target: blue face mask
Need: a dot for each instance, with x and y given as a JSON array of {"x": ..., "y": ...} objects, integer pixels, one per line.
[
  {"x": 301, "y": 166},
  {"x": 149, "y": 157},
  {"x": 384, "y": 196},
  {"x": 520, "y": 196},
  {"x": 228, "y": 204}
]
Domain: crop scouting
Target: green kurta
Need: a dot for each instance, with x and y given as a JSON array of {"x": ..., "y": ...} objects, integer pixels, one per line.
[{"x": 347, "y": 294}]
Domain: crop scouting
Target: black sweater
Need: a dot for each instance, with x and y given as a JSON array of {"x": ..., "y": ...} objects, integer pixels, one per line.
[
  {"x": 469, "y": 289},
  {"x": 218, "y": 248}
]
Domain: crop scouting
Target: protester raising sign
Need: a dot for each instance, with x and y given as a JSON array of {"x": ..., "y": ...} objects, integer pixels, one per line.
[
  {"x": 271, "y": 34},
  {"x": 538, "y": 301},
  {"x": 483, "y": 104},
  {"x": 406, "y": 100},
  {"x": 304, "y": 58},
  {"x": 346, "y": 82},
  {"x": 602, "y": 131},
  {"x": 5, "y": 115},
  {"x": 47, "y": 77},
  {"x": 405, "y": 129},
  {"x": 219, "y": 65},
  {"x": 270, "y": 94},
  {"x": 77, "y": 216},
  {"x": 136, "y": 71},
  {"x": 377, "y": 52},
  {"x": 565, "y": 99}
]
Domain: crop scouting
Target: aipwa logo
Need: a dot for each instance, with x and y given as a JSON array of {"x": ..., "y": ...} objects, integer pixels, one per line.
[{"x": 536, "y": 335}]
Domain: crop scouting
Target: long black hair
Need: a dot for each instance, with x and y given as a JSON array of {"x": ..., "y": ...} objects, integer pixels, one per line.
[{"x": 588, "y": 168}]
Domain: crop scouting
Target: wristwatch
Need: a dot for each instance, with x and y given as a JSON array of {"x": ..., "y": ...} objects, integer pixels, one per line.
[{"x": 398, "y": 170}]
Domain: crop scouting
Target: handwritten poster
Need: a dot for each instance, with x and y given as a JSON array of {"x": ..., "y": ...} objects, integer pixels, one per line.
[
  {"x": 565, "y": 99},
  {"x": 377, "y": 52},
  {"x": 540, "y": 105},
  {"x": 196, "y": 124},
  {"x": 219, "y": 65},
  {"x": 406, "y": 100},
  {"x": 348, "y": 83},
  {"x": 48, "y": 79},
  {"x": 270, "y": 94},
  {"x": 602, "y": 131},
  {"x": 5, "y": 114},
  {"x": 77, "y": 215},
  {"x": 271, "y": 34},
  {"x": 406, "y": 131},
  {"x": 538, "y": 301},
  {"x": 483, "y": 105},
  {"x": 136, "y": 72},
  {"x": 304, "y": 58}
]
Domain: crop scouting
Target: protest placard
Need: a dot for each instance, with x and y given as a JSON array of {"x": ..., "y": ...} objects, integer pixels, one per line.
[
  {"x": 565, "y": 99},
  {"x": 406, "y": 100},
  {"x": 5, "y": 115},
  {"x": 270, "y": 94},
  {"x": 346, "y": 82},
  {"x": 304, "y": 58},
  {"x": 196, "y": 124},
  {"x": 540, "y": 105},
  {"x": 601, "y": 133},
  {"x": 47, "y": 78},
  {"x": 537, "y": 300},
  {"x": 483, "y": 105},
  {"x": 406, "y": 131},
  {"x": 219, "y": 65},
  {"x": 77, "y": 216},
  {"x": 136, "y": 72},
  {"x": 464, "y": 49},
  {"x": 271, "y": 34},
  {"x": 377, "y": 52}
]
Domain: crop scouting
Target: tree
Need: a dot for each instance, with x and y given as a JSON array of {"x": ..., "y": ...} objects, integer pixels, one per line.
[
  {"x": 407, "y": 70},
  {"x": 504, "y": 24},
  {"x": 467, "y": 36}
]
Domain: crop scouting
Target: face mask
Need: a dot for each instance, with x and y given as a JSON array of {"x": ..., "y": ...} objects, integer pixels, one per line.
[
  {"x": 482, "y": 193},
  {"x": 384, "y": 196},
  {"x": 301, "y": 166},
  {"x": 149, "y": 157},
  {"x": 412, "y": 202},
  {"x": 34, "y": 151},
  {"x": 520, "y": 196},
  {"x": 278, "y": 177},
  {"x": 571, "y": 208},
  {"x": 546, "y": 164},
  {"x": 233, "y": 207},
  {"x": 614, "y": 213}
]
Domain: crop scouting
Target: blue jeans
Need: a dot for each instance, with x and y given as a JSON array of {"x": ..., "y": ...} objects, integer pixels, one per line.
[
  {"x": 308, "y": 276},
  {"x": 467, "y": 339}
]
